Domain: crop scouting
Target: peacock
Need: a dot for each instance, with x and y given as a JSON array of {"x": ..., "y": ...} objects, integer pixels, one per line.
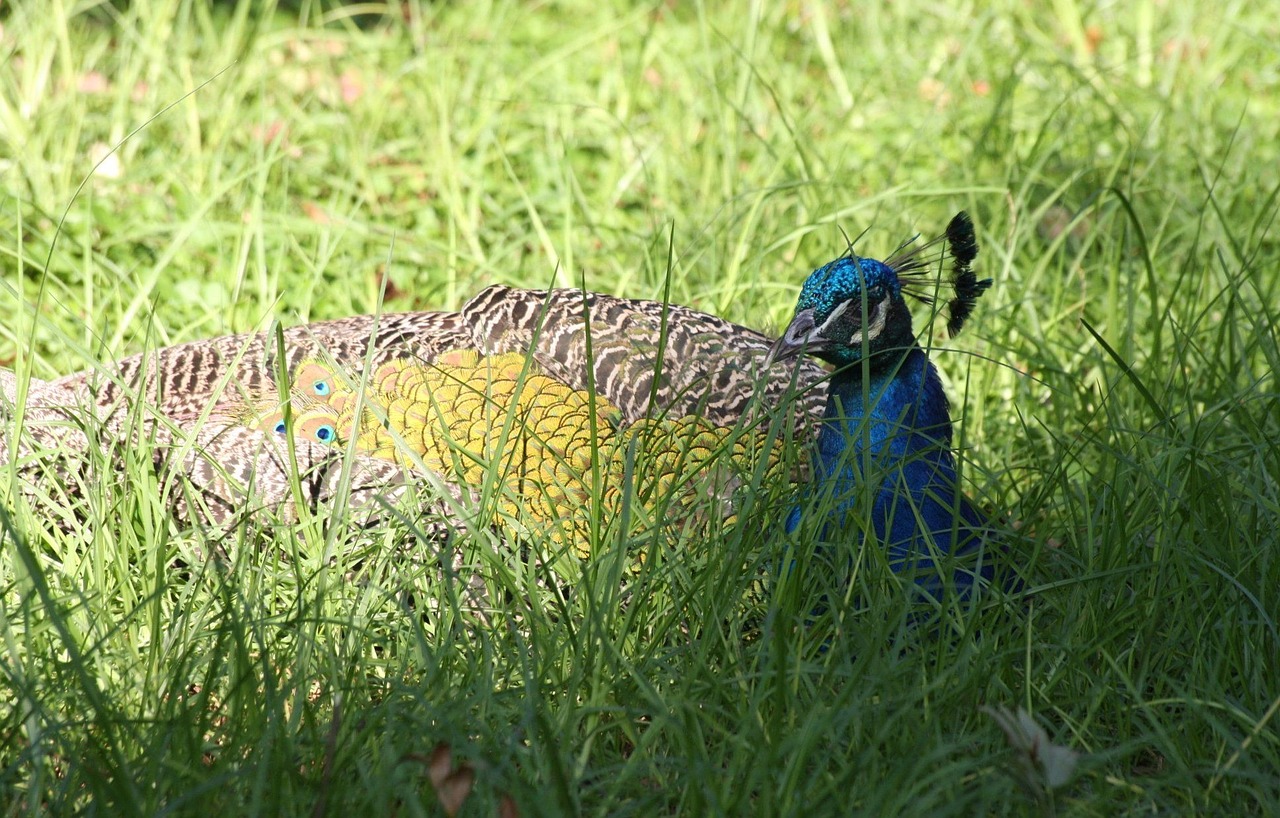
[
  {"x": 561, "y": 398},
  {"x": 883, "y": 465},
  {"x": 569, "y": 401}
]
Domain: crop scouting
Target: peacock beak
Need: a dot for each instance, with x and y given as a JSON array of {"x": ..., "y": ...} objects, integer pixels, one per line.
[{"x": 799, "y": 336}]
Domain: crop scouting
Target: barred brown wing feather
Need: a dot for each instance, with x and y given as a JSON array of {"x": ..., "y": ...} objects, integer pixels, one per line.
[
  {"x": 709, "y": 367},
  {"x": 183, "y": 381}
]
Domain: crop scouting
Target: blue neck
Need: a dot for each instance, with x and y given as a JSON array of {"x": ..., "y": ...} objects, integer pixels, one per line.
[
  {"x": 884, "y": 454},
  {"x": 897, "y": 413}
]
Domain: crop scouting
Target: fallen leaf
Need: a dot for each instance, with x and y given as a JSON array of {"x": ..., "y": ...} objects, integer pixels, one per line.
[
  {"x": 315, "y": 213},
  {"x": 454, "y": 790},
  {"x": 385, "y": 285},
  {"x": 1046, "y": 766},
  {"x": 94, "y": 82},
  {"x": 932, "y": 90},
  {"x": 350, "y": 86},
  {"x": 440, "y": 764},
  {"x": 1093, "y": 38},
  {"x": 268, "y": 132}
]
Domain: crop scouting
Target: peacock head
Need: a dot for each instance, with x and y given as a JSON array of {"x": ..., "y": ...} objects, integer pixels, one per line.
[
  {"x": 848, "y": 310},
  {"x": 854, "y": 308}
]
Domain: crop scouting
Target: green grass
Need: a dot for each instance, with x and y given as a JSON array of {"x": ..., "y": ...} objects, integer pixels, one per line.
[{"x": 1116, "y": 396}]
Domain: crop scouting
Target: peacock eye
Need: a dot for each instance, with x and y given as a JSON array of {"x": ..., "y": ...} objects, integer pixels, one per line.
[
  {"x": 280, "y": 427},
  {"x": 875, "y": 294},
  {"x": 325, "y": 433},
  {"x": 321, "y": 388}
]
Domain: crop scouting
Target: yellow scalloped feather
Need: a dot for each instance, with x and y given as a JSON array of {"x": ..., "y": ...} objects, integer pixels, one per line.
[{"x": 554, "y": 452}]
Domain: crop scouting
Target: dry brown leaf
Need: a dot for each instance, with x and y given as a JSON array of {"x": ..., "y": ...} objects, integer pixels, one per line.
[
  {"x": 440, "y": 764},
  {"x": 507, "y": 808},
  {"x": 315, "y": 213},
  {"x": 455, "y": 789},
  {"x": 350, "y": 86},
  {"x": 94, "y": 82},
  {"x": 269, "y": 132}
]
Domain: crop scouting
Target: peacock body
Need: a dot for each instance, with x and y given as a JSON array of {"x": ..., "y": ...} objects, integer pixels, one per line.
[
  {"x": 551, "y": 401},
  {"x": 883, "y": 462}
]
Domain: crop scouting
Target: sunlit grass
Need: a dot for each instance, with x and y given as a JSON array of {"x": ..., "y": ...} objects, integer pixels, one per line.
[{"x": 1115, "y": 393}]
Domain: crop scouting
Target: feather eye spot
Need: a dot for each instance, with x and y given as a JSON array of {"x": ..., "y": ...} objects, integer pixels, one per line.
[
  {"x": 326, "y": 433},
  {"x": 314, "y": 379}
]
